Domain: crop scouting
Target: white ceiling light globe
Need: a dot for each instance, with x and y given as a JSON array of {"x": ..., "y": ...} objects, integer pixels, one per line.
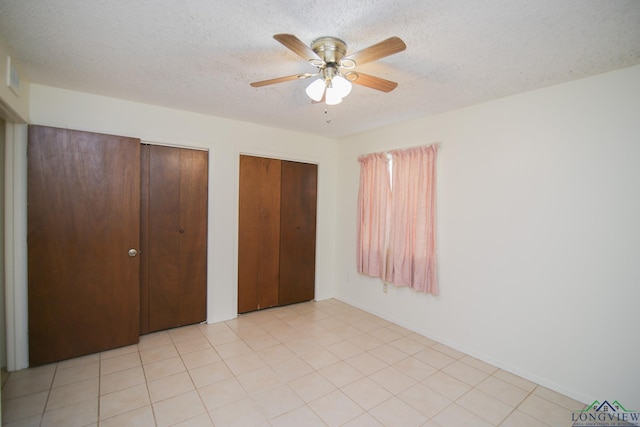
[
  {"x": 332, "y": 97},
  {"x": 316, "y": 89},
  {"x": 341, "y": 85}
]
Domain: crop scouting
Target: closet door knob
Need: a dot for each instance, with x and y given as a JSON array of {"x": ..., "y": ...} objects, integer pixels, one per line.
[{"x": 133, "y": 252}]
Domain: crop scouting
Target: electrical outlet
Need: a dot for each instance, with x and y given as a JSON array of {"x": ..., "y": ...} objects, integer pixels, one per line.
[{"x": 385, "y": 288}]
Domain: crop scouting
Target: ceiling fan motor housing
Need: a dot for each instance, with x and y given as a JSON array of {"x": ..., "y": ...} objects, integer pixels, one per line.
[{"x": 330, "y": 49}]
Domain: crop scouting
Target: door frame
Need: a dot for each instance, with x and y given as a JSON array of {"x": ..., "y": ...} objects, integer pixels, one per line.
[{"x": 15, "y": 279}]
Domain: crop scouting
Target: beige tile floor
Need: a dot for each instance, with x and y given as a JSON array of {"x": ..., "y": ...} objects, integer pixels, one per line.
[{"x": 313, "y": 364}]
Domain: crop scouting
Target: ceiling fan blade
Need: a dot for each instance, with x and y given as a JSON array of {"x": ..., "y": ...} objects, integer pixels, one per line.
[
  {"x": 372, "y": 82},
  {"x": 379, "y": 50},
  {"x": 281, "y": 79},
  {"x": 296, "y": 45}
]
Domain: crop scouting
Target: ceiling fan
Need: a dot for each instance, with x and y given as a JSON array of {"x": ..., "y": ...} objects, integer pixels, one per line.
[{"x": 335, "y": 68}]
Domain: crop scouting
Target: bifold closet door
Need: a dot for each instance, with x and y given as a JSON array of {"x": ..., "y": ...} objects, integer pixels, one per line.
[
  {"x": 297, "y": 232},
  {"x": 174, "y": 237},
  {"x": 277, "y": 232},
  {"x": 83, "y": 194},
  {"x": 259, "y": 233}
]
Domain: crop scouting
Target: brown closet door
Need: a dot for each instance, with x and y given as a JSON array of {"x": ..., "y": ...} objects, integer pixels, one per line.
[
  {"x": 83, "y": 192},
  {"x": 298, "y": 232},
  {"x": 259, "y": 233},
  {"x": 174, "y": 237}
]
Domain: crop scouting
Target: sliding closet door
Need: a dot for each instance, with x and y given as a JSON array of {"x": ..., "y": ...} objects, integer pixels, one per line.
[
  {"x": 298, "y": 232},
  {"x": 259, "y": 233},
  {"x": 174, "y": 237},
  {"x": 83, "y": 192}
]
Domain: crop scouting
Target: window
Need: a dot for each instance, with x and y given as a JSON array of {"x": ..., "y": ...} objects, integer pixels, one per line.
[{"x": 396, "y": 217}]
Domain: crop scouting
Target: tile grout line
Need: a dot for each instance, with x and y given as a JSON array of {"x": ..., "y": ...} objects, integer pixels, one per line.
[
  {"x": 250, "y": 396},
  {"x": 189, "y": 374},
  {"x": 146, "y": 383},
  {"x": 53, "y": 378}
]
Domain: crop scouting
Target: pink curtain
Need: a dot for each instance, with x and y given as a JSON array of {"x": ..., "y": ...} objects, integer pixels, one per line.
[
  {"x": 396, "y": 232},
  {"x": 373, "y": 214},
  {"x": 412, "y": 243}
]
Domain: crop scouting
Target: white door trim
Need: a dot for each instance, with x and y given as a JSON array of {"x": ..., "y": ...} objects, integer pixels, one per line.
[{"x": 16, "y": 246}]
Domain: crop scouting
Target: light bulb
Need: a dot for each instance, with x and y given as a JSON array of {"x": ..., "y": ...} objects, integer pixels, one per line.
[
  {"x": 316, "y": 89},
  {"x": 341, "y": 85}
]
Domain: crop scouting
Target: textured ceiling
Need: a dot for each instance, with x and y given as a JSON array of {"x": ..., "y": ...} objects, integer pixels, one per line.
[{"x": 201, "y": 55}]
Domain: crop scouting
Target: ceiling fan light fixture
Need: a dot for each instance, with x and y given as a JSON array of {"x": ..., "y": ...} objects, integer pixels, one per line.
[
  {"x": 316, "y": 89},
  {"x": 341, "y": 85},
  {"x": 332, "y": 96}
]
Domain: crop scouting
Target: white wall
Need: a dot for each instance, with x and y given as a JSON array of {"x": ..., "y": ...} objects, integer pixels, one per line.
[
  {"x": 225, "y": 139},
  {"x": 538, "y": 230}
]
